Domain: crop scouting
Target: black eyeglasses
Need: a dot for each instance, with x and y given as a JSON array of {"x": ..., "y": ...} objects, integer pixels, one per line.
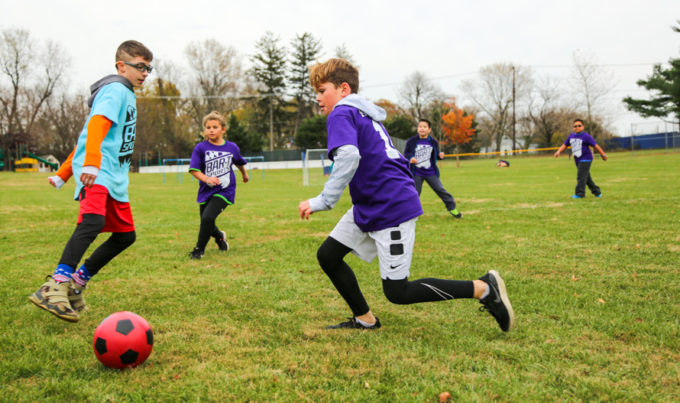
[
  {"x": 141, "y": 67},
  {"x": 578, "y": 125}
]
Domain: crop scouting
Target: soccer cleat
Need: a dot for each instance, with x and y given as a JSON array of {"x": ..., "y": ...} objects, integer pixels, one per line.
[
  {"x": 577, "y": 197},
  {"x": 599, "y": 196},
  {"x": 455, "y": 213},
  {"x": 196, "y": 254},
  {"x": 75, "y": 296},
  {"x": 497, "y": 302},
  {"x": 222, "y": 243},
  {"x": 53, "y": 297},
  {"x": 353, "y": 324}
]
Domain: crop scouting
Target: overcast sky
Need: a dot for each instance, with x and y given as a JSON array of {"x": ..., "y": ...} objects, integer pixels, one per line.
[{"x": 448, "y": 41}]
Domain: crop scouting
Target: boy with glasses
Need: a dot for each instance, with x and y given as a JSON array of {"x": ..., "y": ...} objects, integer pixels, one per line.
[
  {"x": 385, "y": 207},
  {"x": 100, "y": 163},
  {"x": 580, "y": 143}
]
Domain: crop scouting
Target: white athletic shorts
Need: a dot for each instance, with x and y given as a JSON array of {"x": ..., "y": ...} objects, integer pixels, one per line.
[{"x": 393, "y": 246}]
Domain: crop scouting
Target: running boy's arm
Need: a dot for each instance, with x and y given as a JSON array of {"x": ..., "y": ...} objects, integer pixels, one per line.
[
  {"x": 244, "y": 174},
  {"x": 64, "y": 173},
  {"x": 97, "y": 129},
  {"x": 601, "y": 151},
  {"x": 558, "y": 152},
  {"x": 345, "y": 162},
  {"x": 210, "y": 180}
]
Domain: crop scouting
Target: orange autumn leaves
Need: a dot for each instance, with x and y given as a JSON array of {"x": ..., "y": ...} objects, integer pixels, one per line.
[{"x": 457, "y": 124}]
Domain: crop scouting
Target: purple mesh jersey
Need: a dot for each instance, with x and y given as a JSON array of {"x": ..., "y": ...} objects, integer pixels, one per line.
[
  {"x": 217, "y": 161},
  {"x": 383, "y": 191}
]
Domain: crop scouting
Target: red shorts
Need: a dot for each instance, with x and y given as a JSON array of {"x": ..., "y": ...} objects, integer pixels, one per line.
[{"x": 96, "y": 200}]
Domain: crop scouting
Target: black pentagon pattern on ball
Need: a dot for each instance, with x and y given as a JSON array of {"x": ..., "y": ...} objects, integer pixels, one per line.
[
  {"x": 149, "y": 337},
  {"x": 100, "y": 346},
  {"x": 129, "y": 357},
  {"x": 124, "y": 326}
]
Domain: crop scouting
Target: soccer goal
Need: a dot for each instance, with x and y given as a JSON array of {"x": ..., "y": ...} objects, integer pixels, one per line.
[{"x": 315, "y": 166}]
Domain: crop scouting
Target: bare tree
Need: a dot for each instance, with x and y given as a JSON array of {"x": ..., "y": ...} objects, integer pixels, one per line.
[
  {"x": 493, "y": 94},
  {"x": 546, "y": 114},
  {"x": 30, "y": 74},
  {"x": 217, "y": 78},
  {"x": 417, "y": 92},
  {"x": 60, "y": 124},
  {"x": 591, "y": 84}
]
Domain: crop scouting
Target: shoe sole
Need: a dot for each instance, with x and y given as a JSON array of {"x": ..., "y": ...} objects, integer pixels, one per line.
[
  {"x": 51, "y": 309},
  {"x": 504, "y": 297},
  {"x": 224, "y": 236}
]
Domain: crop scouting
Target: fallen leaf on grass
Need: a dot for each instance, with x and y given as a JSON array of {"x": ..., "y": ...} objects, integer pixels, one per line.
[
  {"x": 637, "y": 246},
  {"x": 639, "y": 320},
  {"x": 600, "y": 300},
  {"x": 574, "y": 278},
  {"x": 550, "y": 341},
  {"x": 575, "y": 294},
  {"x": 444, "y": 397},
  {"x": 367, "y": 385}
]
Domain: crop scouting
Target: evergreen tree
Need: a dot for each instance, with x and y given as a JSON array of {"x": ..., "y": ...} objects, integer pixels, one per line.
[
  {"x": 312, "y": 133},
  {"x": 305, "y": 51},
  {"x": 246, "y": 141},
  {"x": 664, "y": 83},
  {"x": 269, "y": 71}
]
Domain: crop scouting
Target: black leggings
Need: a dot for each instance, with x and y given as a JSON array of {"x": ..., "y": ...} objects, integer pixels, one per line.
[
  {"x": 83, "y": 236},
  {"x": 209, "y": 212},
  {"x": 331, "y": 254}
]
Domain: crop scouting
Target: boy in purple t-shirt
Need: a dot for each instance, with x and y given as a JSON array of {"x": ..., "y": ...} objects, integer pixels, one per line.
[
  {"x": 580, "y": 143},
  {"x": 211, "y": 163},
  {"x": 422, "y": 151},
  {"x": 385, "y": 207}
]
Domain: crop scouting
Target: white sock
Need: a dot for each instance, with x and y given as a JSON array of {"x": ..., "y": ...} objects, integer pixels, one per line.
[
  {"x": 364, "y": 323},
  {"x": 485, "y": 292}
]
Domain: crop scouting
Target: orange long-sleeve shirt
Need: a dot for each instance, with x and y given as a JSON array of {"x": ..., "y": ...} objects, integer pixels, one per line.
[{"x": 97, "y": 129}]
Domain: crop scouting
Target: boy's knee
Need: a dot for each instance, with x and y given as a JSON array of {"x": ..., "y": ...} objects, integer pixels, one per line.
[
  {"x": 92, "y": 223},
  {"x": 394, "y": 290},
  {"x": 331, "y": 253},
  {"x": 126, "y": 239}
]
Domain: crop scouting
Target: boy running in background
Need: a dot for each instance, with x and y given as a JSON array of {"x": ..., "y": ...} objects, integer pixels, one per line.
[
  {"x": 100, "y": 163},
  {"x": 580, "y": 142},
  {"x": 211, "y": 164},
  {"x": 422, "y": 151},
  {"x": 382, "y": 220}
]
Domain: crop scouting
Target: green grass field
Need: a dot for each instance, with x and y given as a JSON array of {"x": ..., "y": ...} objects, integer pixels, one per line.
[{"x": 595, "y": 285}]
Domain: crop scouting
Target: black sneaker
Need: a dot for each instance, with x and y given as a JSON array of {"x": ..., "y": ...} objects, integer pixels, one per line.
[
  {"x": 353, "y": 324},
  {"x": 497, "y": 302},
  {"x": 196, "y": 254},
  {"x": 222, "y": 243}
]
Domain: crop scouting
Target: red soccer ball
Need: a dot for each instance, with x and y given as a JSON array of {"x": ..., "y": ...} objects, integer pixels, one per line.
[{"x": 123, "y": 340}]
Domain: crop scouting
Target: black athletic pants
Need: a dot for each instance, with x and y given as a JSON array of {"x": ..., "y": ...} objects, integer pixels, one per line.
[
  {"x": 438, "y": 188},
  {"x": 584, "y": 179},
  {"x": 209, "y": 212},
  {"x": 83, "y": 236},
  {"x": 331, "y": 254}
]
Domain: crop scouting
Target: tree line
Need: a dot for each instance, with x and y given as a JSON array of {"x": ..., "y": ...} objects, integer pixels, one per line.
[{"x": 270, "y": 105}]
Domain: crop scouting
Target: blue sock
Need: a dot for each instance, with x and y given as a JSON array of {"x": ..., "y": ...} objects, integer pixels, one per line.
[
  {"x": 82, "y": 276},
  {"x": 63, "y": 273}
]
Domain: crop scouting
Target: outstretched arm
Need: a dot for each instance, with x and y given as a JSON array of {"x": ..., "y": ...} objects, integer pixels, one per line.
[
  {"x": 97, "y": 129},
  {"x": 601, "y": 151},
  {"x": 559, "y": 151},
  {"x": 345, "y": 162},
  {"x": 244, "y": 173},
  {"x": 64, "y": 173}
]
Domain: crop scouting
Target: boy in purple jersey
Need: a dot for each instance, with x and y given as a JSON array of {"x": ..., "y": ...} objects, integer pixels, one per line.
[
  {"x": 385, "y": 207},
  {"x": 580, "y": 143},
  {"x": 422, "y": 151},
  {"x": 211, "y": 163}
]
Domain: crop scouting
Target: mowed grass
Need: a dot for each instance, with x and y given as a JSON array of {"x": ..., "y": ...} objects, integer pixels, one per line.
[{"x": 595, "y": 285}]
